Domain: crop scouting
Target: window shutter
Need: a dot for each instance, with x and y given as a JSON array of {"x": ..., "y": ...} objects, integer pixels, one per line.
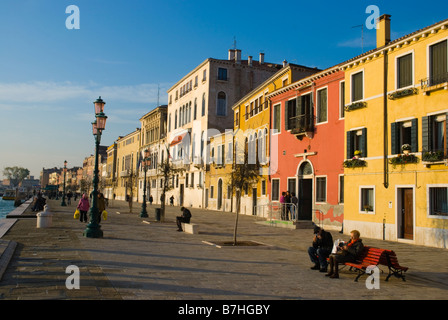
[
  {"x": 446, "y": 132},
  {"x": 414, "y": 135},
  {"x": 394, "y": 136},
  {"x": 425, "y": 134},
  {"x": 349, "y": 145},
  {"x": 286, "y": 115},
  {"x": 364, "y": 142}
]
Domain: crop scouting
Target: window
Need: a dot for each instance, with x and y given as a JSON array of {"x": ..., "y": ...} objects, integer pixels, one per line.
[
  {"x": 221, "y": 108},
  {"x": 367, "y": 201},
  {"x": 237, "y": 118},
  {"x": 404, "y": 132},
  {"x": 341, "y": 189},
  {"x": 357, "y": 86},
  {"x": 263, "y": 187},
  {"x": 175, "y": 119},
  {"x": 357, "y": 140},
  {"x": 404, "y": 71},
  {"x": 321, "y": 189},
  {"x": 203, "y": 105},
  {"x": 192, "y": 180},
  {"x": 434, "y": 133},
  {"x": 211, "y": 191},
  {"x": 438, "y": 201},
  {"x": 342, "y": 99},
  {"x": 204, "y": 75},
  {"x": 290, "y": 114},
  {"x": 195, "y": 111},
  {"x": 292, "y": 185},
  {"x": 222, "y": 74},
  {"x": 276, "y": 117},
  {"x": 195, "y": 81},
  {"x": 322, "y": 106},
  {"x": 275, "y": 189},
  {"x": 438, "y": 67}
]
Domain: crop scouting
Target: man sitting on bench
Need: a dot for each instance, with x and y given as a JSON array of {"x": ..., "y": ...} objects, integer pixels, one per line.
[{"x": 184, "y": 218}]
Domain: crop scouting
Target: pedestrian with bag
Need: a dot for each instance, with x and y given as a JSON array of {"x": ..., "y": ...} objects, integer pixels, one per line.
[{"x": 83, "y": 206}]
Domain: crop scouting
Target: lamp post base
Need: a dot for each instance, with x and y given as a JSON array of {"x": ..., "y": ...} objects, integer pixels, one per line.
[{"x": 92, "y": 232}]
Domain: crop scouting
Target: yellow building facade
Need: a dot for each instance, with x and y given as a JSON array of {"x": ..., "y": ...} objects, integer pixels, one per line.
[
  {"x": 126, "y": 166},
  {"x": 396, "y": 106}
]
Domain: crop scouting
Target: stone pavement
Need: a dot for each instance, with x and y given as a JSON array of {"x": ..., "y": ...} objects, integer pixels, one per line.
[{"x": 142, "y": 259}]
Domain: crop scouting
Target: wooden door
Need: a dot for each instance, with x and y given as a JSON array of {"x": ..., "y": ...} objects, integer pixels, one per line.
[
  {"x": 408, "y": 214},
  {"x": 305, "y": 199}
]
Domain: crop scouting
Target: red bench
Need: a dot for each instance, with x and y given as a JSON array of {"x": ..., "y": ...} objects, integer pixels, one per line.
[{"x": 375, "y": 256}]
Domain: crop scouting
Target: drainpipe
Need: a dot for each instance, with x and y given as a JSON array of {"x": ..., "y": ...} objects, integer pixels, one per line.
[{"x": 385, "y": 124}]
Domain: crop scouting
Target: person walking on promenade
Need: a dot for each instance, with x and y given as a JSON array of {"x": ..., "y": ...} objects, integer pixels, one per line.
[
  {"x": 83, "y": 206},
  {"x": 283, "y": 205},
  {"x": 172, "y": 200},
  {"x": 321, "y": 249},
  {"x": 150, "y": 199},
  {"x": 348, "y": 253},
  {"x": 184, "y": 218},
  {"x": 69, "y": 198},
  {"x": 101, "y": 205}
]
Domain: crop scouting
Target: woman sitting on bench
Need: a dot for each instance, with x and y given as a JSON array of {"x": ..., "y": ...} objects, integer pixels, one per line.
[{"x": 348, "y": 253}]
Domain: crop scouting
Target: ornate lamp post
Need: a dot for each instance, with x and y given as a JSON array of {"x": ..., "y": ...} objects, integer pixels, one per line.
[
  {"x": 63, "y": 204},
  {"x": 93, "y": 229},
  {"x": 146, "y": 164}
]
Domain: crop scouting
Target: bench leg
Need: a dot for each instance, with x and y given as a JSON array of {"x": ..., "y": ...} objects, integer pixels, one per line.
[
  {"x": 360, "y": 273},
  {"x": 396, "y": 273}
]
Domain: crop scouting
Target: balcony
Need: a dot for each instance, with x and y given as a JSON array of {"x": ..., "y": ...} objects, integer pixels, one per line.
[
  {"x": 302, "y": 125},
  {"x": 434, "y": 83}
]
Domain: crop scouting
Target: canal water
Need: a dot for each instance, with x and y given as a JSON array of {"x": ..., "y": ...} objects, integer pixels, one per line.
[{"x": 6, "y": 206}]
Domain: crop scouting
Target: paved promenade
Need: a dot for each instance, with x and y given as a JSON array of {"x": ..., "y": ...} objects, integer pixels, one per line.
[{"x": 144, "y": 259}]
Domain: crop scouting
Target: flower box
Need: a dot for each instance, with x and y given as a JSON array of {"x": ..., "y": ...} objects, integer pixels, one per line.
[
  {"x": 355, "y": 105},
  {"x": 403, "y": 159}
]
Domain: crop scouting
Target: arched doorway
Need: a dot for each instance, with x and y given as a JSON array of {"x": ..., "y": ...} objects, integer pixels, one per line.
[
  {"x": 305, "y": 194},
  {"x": 219, "y": 194}
]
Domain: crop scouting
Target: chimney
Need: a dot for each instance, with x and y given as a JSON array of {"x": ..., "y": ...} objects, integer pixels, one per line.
[
  {"x": 249, "y": 61},
  {"x": 237, "y": 55},
  {"x": 231, "y": 54},
  {"x": 261, "y": 57},
  {"x": 285, "y": 63},
  {"x": 383, "y": 31}
]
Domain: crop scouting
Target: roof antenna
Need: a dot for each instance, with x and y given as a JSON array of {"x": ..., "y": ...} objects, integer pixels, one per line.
[
  {"x": 362, "y": 36},
  {"x": 234, "y": 43}
]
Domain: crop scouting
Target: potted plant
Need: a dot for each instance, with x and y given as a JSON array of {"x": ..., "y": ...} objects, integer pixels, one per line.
[
  {"x": 406, "y": 148},
  {"x": 357, "y": 154}
]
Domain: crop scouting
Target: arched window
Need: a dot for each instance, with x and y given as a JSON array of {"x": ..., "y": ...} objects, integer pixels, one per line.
[
  {"x": 222, "y": 104},
  {"x": 175, "y": 119},
  {"x": 195, "y": 111},
  {"x": 203, "y": 104},
  {"x": 169, "y": 123}
]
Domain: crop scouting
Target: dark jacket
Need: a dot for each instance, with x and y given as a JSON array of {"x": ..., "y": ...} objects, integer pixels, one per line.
[
  {"x": 356, "y": 249},
  {"x": 326, "y": 241}
]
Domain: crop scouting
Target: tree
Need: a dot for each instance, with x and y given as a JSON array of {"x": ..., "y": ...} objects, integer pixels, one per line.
[
  {"x": 16, "y": 174},
  {"x": 245, "y": 171},
  {"x": 167, "y": 170}
]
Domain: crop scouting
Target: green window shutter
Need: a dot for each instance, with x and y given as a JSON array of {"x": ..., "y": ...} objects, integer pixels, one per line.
[
  {"x": 414, "y": 135},
  {"x": 286, "y": 115},
  {"x": 349, "y": 145},
  {"x": 438, "y": 63},
  {"x": 405, "y": 71},
  {"x": 394, "y": 137},
  {"x": 357, "y": 86},
  {"x": 426, "y": 134},
  {"x": 299, "y": 106},
  {"x": 363, "y": 142},
  {"x": 446, "y": 132}
]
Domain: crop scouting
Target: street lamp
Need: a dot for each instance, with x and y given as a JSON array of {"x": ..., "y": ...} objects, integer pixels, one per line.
[
  {"x": 146, "y": 163},
  {"x": 63, "y": 204},
  {"x": 93, "y": 229}
]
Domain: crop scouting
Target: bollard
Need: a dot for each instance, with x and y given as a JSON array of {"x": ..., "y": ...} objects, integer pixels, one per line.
[
  {"x": 158, "y": 213},
  {"x": 45, "y": 218}
]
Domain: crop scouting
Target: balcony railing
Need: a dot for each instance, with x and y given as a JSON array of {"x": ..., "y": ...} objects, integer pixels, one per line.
[
  {"x": 301, "y": 124},
  {"x": 434, "y": 82}
]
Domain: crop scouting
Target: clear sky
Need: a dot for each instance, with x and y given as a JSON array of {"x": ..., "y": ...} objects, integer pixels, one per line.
[{"x": 129, "y": 51}]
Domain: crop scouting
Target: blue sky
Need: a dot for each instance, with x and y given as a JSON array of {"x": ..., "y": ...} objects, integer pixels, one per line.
[{"x": 131, "y": 52}]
